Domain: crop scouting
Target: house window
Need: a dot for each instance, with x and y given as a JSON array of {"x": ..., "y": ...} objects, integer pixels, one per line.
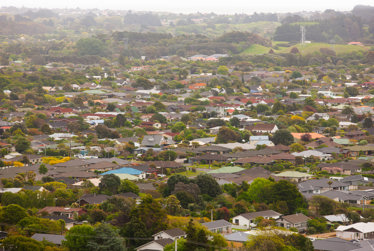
[{"x": 236, "y": 221}]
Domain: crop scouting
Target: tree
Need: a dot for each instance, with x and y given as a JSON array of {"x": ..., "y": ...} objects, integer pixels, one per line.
[
  {"x": 368, "y": 123},
  {"x": 21, "y": 243},
  {"x": 347, "y": 110},
  {"x": 283, "y": 137},
  {"x": 351, "y": 91},
  {"x": 261, "y": 108},
  {"x": 104, "y": 132},
  {"x": 78, "y": 237},
  {"x": 226, "y": 135},
  {"x": 147, "y": 219},
  {"x": 223, "y": 70},
  {"x": 284, "y": 190},
  {"x": 128, "y": 186},
  {"x": 22, "y": 144},
  {"x": 159, "y": 117},
  {"x": 12, "y": 214},
  {"x": 208, "y": 185},
  {"x": 172, "y": 181},
  {"x": 306, "y": 137},
  {"x": 173, "y": 205},
  {"x": 43, "y": 169},
  {"x": 257, "y": 190},
  {"x": 265, "y": 242},
  {"x": 296, "y": 147},
  {"x": 296, "y": 74},
  {"x": 110, "y": 107},
  {"x": 143, "y": 83},
  {"x": 110, "y": 184},
  {"x": 167, "y": 155},
  {"x": 105, "y": 238},
  {"x": 178, "y": 127},
  {"x": 235, "y": 122},
  {"x": 90, "y": 46}
]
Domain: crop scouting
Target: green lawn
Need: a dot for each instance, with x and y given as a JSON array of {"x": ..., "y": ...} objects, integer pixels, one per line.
[{"x": 305, "y": 48}]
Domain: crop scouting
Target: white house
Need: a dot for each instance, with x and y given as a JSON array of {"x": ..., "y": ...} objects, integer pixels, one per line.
[
  {"x": 248, "y": 219},
  {"x": 155, "y": 245},
  {"x": 357, "y": 231}
]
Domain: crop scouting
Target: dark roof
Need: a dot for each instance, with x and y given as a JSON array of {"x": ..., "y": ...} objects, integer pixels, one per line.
[
  {"x": 255, "y": 172},
  {"x": 165, "y": 164},
  {"x": 296, "y": 218},
  {"x": 334, "y": 244},
  {"x": 319, "y": 183},
  {"x": 175, "y": 232},
  {"x": 214, "y": 157},
  {"x": 72, "y": 163},
  {"x": 216, "y": 224},
  {"x": 94, "y": 198},
  {"x": 128, "y": 195},
  {"x": 54, "y": 238},
  {"x": 254, "y": 215}
]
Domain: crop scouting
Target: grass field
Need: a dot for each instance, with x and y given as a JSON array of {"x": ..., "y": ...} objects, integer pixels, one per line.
[{"x": 305, "y": 48}]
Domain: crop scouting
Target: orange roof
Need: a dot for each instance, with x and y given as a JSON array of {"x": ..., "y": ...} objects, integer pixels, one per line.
[{"x": 312, "y": 134}]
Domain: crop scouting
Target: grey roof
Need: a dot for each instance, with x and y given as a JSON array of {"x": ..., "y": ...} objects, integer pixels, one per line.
[
  {"x": 94, "y": 198},
  {"x": 175, "y": 232},
  {"x": 334, "y": 244},
  {"x": 54, "y": 238},
  {"x": 152, "y": 140},
  {"x": 342, "y": 196},
  {"x": 266, "y": 213},
  {"x": 318, "y": 184},
  {"x": 356, "y": 178},
  {"x": 237, "y": 237},
  {"x": 296, "y": 218},
  {"x": 72, "y": 163},
  {"x": 216, "y": 224}
]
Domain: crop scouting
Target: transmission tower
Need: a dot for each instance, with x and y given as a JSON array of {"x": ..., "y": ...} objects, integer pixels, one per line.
[{"x": 302, "y": 29}]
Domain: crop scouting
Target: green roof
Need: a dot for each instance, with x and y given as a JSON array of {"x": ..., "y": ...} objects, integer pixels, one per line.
[
  {"x": 342, "y": 141},
  {"x": 293, "y": 174},
  {"x": 227, "y": 169},
  {"x": 94, "y": 92},
  {"x": 125, "y": 176}
]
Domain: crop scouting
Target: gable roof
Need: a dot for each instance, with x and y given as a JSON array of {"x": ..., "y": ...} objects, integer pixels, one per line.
[
  {"x": 216, "y": 224},
  {"x": 175, "y": 232},
  {"x": 94, "y": 198},
  {"x": 362, "y": 227},
  {"x": 296, "y": 218},
  {"x": 334, "y": 244}
]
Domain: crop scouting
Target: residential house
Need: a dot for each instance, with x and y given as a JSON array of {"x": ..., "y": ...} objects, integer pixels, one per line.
[
  {"x": 312, "y": 153},
  {"x": 155, "y": 245},
  {"x": 298, "y": 221},
  {"x": 318, "y": 186},
  {"x": 175, "y": 233},
  {"x": 255, "y": 141},
  {"x": 218, "y": 226},
  {"x": 357, "y": 180},
  {"x": 263, "y": 128},
  {"x": 156, "y": 140},
  {"x": 92, "y": 199},
  {"x": 62, "y": 211},
  {"x": 293, "y": 176},
  {"x": 248, "y": 219},
  {"x": 356, "y": 231}
]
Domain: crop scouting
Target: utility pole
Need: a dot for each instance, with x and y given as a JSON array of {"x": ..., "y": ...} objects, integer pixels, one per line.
[
  {"x": 176, "y": 245},
  {"x": 302, "y": 30}
]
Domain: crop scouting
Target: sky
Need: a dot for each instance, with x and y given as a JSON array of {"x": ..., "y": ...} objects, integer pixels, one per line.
[{"x": 193, "y": 6}]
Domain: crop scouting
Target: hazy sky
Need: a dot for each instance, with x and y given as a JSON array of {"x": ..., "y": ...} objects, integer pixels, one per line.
[{"x": 188, "y": 6}]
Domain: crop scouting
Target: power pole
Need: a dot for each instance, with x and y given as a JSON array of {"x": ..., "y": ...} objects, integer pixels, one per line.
[
  {"x": 176, "y": 245},
  {"x": 302, "y": 30}
]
